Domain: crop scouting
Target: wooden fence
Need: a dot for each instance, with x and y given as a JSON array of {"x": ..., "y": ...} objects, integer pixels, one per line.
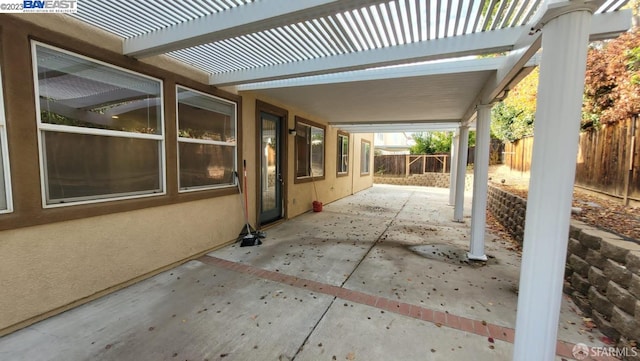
[
  {"x": 608, "y": 159},
  {"x": 517, "y": 155},
  {"x": 401, "y": 164},
  {"x": 407, "y": 164}
]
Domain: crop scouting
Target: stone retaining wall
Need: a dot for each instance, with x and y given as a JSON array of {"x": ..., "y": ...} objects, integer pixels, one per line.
[
  {"x": 603, "y": 278},
  {"x": 509, "y": 210},
  {"x": 440, "y": 180},
  {"x": 602, "y": 271}
]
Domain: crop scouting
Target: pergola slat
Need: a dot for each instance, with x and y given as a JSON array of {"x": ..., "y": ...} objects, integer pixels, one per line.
[{"x": 321, "y": 28}]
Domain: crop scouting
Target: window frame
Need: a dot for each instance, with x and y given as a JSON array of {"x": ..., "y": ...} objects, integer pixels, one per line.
[
  {"x": 364, "y": 143},
  {"x": 204, "y": 141},
  {"x": 309, "y": 178},
  {"x": 346, "y": 135},
  {"x": 43, "y": 127},
  {"x": 4, "y": 152}
]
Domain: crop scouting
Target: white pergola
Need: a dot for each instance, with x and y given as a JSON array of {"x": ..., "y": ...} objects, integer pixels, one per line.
[{"x": 407, "y": 65}]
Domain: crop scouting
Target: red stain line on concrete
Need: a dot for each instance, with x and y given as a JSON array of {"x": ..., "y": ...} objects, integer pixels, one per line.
[{"x": 477, "y": 327}]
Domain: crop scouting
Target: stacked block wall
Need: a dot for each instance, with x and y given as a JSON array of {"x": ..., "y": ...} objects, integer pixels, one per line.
[
  {"x": 439, "y": 180},
  {"x": 602, "y": 271}
]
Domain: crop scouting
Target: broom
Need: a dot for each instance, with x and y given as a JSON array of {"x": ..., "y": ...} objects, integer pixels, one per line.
[
  {"x": 317, "y": 205},
  {"x": 247, "y": 238}
]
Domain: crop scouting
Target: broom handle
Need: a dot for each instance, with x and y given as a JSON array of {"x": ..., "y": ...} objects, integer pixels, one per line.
[
  {"x": 246, "y": 199},
  {"x": 314, "y": 184}
]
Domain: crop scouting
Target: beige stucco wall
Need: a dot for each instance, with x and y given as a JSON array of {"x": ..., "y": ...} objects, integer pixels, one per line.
[
  {"x": 361, "y": 182},
  {"x": 301, "y": 195},
  {"x": 47, "y": 267}
]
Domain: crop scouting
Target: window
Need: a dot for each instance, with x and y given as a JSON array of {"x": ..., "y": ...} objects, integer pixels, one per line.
[
  {"x": 343, "y": 154},
  {"x": 101, "y": 132},
  {"x": 206, "y": 140},
  {"x": 5, "y": 184},
  {"x": 365, "y": 157},
  {"x": 309, "y": 149}
]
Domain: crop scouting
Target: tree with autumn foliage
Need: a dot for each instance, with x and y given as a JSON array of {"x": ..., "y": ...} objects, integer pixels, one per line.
[
  {"x": 612, "y": 82},
  {"x": 512, "y": 118},
  {"x": 611, "y": 93}
]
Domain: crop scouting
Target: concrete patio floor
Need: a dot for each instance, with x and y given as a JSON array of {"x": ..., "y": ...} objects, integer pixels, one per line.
[{"x": 380, "y": 275}]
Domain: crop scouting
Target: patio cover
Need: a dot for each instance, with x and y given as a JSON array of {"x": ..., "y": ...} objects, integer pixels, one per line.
[
  {"x": 406, "y": 65},
  {"x": 364, "y": 65}
]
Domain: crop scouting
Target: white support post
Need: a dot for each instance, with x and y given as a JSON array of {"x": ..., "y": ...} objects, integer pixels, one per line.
[
  {"x": 480, "y": 180},
  {"x": 454, "y": 167},
  {"x": 564, "y": 40},
  {"x": 463, "y": 147}
]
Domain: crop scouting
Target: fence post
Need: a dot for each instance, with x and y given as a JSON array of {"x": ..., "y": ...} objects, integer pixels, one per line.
[
  {"x": 512, "y": 159},
  {"x": 444, "y": 164},
  {"x": 521, "y": 144},
  {"x": 631, "y": 148},
  {"x": 407, "y": 165}
]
